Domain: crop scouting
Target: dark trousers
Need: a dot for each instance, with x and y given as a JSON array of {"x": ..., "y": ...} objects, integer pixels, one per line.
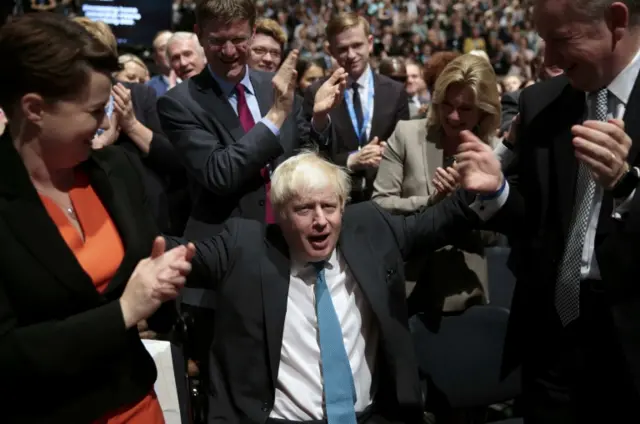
[{"x": 585, "y": 378}]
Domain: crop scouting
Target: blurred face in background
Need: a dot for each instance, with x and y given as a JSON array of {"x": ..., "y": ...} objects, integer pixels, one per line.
[
  {"x": 458, "y": 111},
  {"x": 265, "y": 53},
  {"x": 511, "y": 84},
  {"x": 185, "y": 58},
  {"x": 415, "y": 82},
  {"x": 160, "y": 52},
  {"x": 352, "y": 48},
  {"x": 226, "y": 47},
  {"x": 311, "y": 75},
  {"x": 133, "y": 72}
]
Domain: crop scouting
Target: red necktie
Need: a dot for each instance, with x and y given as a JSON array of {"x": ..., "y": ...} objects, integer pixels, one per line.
[{"x": 247, "y": 122}]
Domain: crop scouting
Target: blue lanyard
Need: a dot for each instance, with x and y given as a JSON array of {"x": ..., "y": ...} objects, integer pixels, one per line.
[{"x": 369, "y": 111}]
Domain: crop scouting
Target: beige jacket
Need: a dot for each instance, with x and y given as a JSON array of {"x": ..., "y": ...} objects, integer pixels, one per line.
[{"x": 456, "y": 276}]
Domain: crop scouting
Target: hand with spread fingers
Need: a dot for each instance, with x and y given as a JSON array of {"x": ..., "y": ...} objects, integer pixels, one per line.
[
  {"x": 284, "y": 87},
  {"x": 330, "y": 94},
  {"x": 479, "y": 168},
  {"x": 604, "y": 148}
]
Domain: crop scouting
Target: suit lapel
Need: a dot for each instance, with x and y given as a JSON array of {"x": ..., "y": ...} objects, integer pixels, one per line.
[
  {"x": 572, "y": 106},
  {"x": 26, "y": 216},
  {"x": 433, "y": 160},
  {"x": 275, "y": 271},
  {"x": 263, "y": 92},
  {"x": 208, "y": 94},
  {"x": 106, "y": 186},
  {"x": 632, "y": 123},
  {"x": 379, "y": 106},
  {"x": 353, "y": 240}
]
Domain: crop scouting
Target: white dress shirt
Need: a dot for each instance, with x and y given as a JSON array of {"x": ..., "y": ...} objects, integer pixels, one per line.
[{"x": 299, "y": 388}]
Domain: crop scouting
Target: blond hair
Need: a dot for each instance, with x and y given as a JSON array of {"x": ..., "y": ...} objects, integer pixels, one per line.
[
  {"x": 307, "y": 172},
  {"x": 344, "y": 21},
  {"x": 272, "y": 29},
  {"x": 100, "y": 31},
  {"x": 476, "y": 73},
  {"x": 128, "y": 57}
]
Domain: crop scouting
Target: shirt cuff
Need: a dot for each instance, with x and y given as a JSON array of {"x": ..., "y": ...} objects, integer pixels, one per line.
[
  {"x": 275, "y": 130},
  {"x": 487, "y": 208},
  {"x": 621, "y": 207},
  {"x": 323, "y": 130}
]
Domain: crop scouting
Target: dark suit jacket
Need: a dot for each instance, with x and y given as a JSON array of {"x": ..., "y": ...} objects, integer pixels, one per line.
[
  {"x": 509, "y": 104},
  {"x": 223, "y": 161},
  {"x": 390, "y": 105},
  {"x": 250, "y": 273},
  {"x": 538, "y": 214},
  {"x": 164, "y": 176},
  {"x": 65, "y": 355}
]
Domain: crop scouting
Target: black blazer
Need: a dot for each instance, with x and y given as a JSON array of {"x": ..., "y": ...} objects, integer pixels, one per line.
[
  {"x": 164, "y": 176},
  {"x": 537, "y": 215},
  {"x": 222, "y": 160},
  {"x": 390, "y": 105},
  {"x": 65, "y": 355},
  {"x": 250, "y": 272}
]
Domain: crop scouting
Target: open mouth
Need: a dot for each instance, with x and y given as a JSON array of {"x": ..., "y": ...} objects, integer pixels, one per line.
[{"x": 319, "y": 241}]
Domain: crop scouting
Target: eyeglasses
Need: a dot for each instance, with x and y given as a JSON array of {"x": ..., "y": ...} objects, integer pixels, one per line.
[{"x": 262, "y": 51}]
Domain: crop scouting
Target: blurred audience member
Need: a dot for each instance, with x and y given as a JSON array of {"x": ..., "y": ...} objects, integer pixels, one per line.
[
  {"x": 132, "y": 69},
  {"x": 166, "y": 77},
  {"x": 267, "y": 46},
  {"x": 186, "y": 55},
  {"x": 309, "y": 71}
]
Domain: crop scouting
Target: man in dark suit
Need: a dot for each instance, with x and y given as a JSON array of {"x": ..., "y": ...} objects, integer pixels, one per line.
[
  {"x": 575, "y": 217},
  {"x": 229, "y": 126},
  {"x": 312, "y": 321},
  {"x": 372, "y": 106}
]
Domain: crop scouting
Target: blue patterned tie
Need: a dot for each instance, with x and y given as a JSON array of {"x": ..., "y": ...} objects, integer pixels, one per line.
[{"x": 339, "y": 389}]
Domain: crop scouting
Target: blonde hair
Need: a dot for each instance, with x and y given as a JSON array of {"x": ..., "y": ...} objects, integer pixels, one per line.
[
  {"x": 271, "y": 28},
  {"x": 100, "y": 31},
  {"x": 128, "y": 57},
  {"x": 344, "y": 21},
  {"x": 307, "y": 171},
  {"x": 476, "y": 73}
]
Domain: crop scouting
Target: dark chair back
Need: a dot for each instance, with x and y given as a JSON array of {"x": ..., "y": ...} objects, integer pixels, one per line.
[{"x": 463, "y": 359}]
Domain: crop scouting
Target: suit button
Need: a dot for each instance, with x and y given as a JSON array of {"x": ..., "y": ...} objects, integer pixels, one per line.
[
  {"x": 265, "y": 406},
  {"x": 261, "y": 203}
]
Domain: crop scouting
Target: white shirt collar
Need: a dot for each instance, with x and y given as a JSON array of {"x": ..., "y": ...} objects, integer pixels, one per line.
[
  {"x": 298, "y": 268},
  {"x": 623, "y": 83},
  {"x": 363, "y": 81}
]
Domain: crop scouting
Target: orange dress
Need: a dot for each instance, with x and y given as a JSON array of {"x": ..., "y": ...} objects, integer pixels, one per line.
[{"x": 100, "y": 255}]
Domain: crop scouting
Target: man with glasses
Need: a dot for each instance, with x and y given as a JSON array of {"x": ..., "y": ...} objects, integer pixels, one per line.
[
  {"x": 267, "y": 46},
  {"x": 229, "y": 126}
]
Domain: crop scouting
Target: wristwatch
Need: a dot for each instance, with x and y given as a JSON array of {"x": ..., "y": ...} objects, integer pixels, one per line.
[{"x": 627, "y": 183}]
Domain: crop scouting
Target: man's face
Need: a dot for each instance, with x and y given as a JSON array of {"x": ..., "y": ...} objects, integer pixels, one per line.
[
  {"x": 415, "y": 83},
  {"x": 185, "y": 58},
  {"x": 583, "y": 49},
  {"x": 265, "y": 53},
  {"x": 311, "y": 224},
  {"x": 160, "y": 51},
  {"x": 226, "y": 47},
  {"x": 352, "y": 48}
]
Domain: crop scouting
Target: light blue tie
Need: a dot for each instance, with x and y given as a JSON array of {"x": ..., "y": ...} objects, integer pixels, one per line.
[{"x": 339, "y": 390}]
